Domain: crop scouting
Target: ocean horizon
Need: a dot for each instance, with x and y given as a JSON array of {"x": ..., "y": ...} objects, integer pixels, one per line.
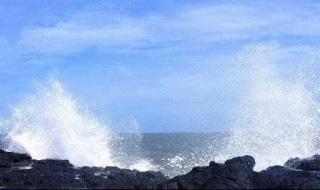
[{"x": 221, "y": 94}]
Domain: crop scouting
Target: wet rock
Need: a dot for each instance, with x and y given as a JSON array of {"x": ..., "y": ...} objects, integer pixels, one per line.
[
  {"x": 295, "y": 174},
  {"x": 20, "y": 171},
  {"x": 244, "y": 161},
  {"x": 279, "y": 177},
  {"x": 236, "y": 173},
  {"x": 308, "y": 164},
  {"x": 7, "y": 159}
]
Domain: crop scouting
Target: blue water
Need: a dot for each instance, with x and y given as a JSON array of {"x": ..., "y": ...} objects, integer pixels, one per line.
[{"x": 177, "y": 153}]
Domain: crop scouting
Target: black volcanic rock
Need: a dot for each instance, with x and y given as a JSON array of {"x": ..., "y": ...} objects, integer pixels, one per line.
[
  {"x": 296, "y": 174},
  {"x": 279, "y": 177},
  {"x": 236, "y": 173},
  {"x": 309, "y": 164},
  {"x": 8, "y": 159},
  {"x": 19, "y": 171}
]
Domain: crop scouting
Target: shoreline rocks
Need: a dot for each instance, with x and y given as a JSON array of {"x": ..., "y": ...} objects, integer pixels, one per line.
[
  {"x": 236, "y": 173},
  {"x": 20, "y": 171}
]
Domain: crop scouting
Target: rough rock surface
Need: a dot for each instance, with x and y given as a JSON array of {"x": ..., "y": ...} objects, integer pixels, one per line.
[
  {"x": 295, "y": 174},
  {"x": 308, "y": 164},
  {"x": 236, "y": 173},
  {"x": 279, "y": 177},
  {"x": 19, "y": 171}
]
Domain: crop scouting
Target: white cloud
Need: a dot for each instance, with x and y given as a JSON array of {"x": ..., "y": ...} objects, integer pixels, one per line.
[
  {"x": 71, "y": 37},
  {"x": 187, "y": 27}
]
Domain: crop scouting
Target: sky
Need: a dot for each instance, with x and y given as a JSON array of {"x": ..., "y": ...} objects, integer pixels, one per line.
[{"x": 168, "y": 64}]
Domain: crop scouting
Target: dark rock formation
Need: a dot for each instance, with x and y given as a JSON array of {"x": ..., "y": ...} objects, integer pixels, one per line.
[
  {"x": 308, "y": 164},
  {"x": 279, "y": 177},
  {"x": 296, "y": 174},
  {"x": 236, "y": 173},
  {"x": 19, "y": 171}
]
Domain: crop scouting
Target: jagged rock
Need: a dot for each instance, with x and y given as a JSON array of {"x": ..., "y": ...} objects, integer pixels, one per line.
[
  {"x": 236, "y": 173},
  {"x": 279, "y": 177},
  {"x": 245, "y": 161},
  {"x": 20, "y": 171},
  {"x": 296, "y": 174},
  {"x": 308, "y": 164},
  {"x": 7, "y": 159}
]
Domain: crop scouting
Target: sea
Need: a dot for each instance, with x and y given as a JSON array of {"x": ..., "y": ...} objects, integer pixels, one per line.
[
  {"x": 171, "y": 153},
  {"x": 177, "y": 153}
]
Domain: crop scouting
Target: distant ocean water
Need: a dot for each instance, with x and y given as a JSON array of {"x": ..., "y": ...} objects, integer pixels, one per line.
[{"x": 177, "y": 153}]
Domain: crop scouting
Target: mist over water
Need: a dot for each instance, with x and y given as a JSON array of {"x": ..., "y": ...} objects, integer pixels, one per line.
[{"x": 277, "y": 119}]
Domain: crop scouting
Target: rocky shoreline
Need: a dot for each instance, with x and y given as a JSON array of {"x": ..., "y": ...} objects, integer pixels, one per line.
[{"x": 20, "y": 171}]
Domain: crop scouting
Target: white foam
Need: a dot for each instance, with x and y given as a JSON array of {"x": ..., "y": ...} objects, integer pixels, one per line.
[
  {"x": 276, "y": 119},
  {"x": 77, "y": 176},
  {"x": 143, "y": 165},
  {"x": 51, "y": 124},
  {"x": 25, "y": 168},
  {"x": 99, "y": 173}
]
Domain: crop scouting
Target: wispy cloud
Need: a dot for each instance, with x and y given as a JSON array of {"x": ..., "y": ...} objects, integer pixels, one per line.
[
  {"x": 72, "y": 37},
  {"x": 187, "y": 27}
]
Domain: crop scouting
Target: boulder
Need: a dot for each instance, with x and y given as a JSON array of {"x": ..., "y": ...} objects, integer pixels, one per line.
[
  {"x": 295, "y": 174},
  {"x": 236, "y": 173},
  {"x": 308, "y": 164},
  {"x": 280, "y": 177}
]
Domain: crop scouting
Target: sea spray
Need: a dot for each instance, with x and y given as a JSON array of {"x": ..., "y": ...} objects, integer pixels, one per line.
[
  {"x": 277, "y": 119},
  {"x": 126, "y": 147},
  {"x": 52, "y": 124}
]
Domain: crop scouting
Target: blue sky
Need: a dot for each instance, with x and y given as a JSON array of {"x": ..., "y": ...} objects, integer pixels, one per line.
[{"x": 168, "y": 64}]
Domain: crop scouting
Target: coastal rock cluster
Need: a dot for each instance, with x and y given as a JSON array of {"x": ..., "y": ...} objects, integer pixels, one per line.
[{"x": 21, "y": 171}]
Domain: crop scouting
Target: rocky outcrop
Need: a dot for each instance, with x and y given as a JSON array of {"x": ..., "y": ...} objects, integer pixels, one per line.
[
  {"x": 19, "y": 171},
  {"x": 236, "y": 173},
  {"x": 295, "y": 174},
  {"x": 308, "y": 164}
]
